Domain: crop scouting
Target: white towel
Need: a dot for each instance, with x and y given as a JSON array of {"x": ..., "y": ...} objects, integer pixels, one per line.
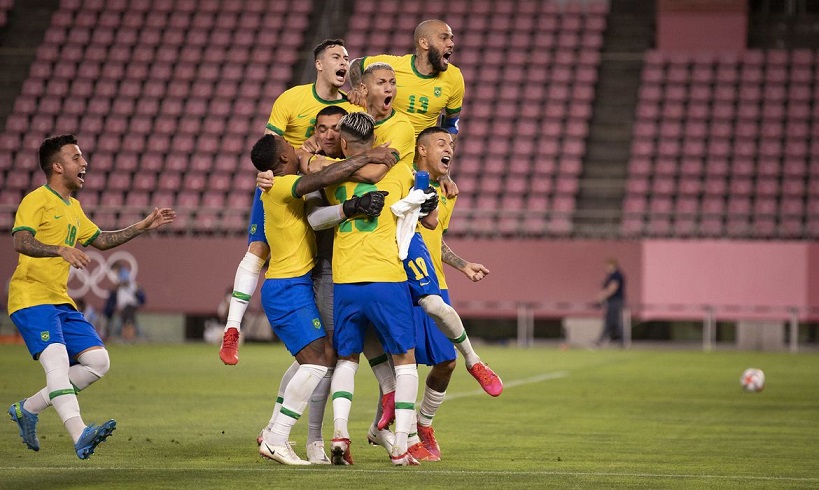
[{"x": 407, "y": 210}]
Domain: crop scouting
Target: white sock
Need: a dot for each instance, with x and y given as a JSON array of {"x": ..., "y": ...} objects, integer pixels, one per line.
[
  {"x": 286, "y": 377},
  {"x": 295, "y": 401},
  {"x": 429, "y": 405},
  {"x": 244, "y": 285},
  {"x": 93, "y": 366},
  {"x": 449, "y": 322},
  {"x": 54, "y": 360},
  {"x": 406, "y": 391},
  {"x": 318, "y": 405},
  {"x": 412, "y": 437},
  {"x": 383, "y": 373},
  {"x": 342, "y": 387}
]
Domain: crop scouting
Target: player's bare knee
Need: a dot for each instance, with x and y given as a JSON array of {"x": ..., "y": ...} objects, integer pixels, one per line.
[{"x": 313, "y": 353}]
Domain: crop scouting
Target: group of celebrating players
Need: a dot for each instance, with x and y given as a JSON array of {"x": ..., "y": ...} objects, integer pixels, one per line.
[{"x": 355, "y": 248}]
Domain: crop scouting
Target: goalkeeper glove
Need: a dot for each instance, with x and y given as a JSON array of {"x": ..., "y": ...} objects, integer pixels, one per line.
[
  {"x": 369, "y": 205},
  {"x": 431, "y": 203}
]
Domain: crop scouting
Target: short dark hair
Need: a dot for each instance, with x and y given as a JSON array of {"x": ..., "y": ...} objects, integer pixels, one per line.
[
  {"x": 326, "y": 44},
  {"x": 266, "y": 152},
  {"x": 50, "y": 148},
  {"x": 428, "y": 131},
  {"x": 358, "y": 127},
  {"x": 332, "y": 110}
]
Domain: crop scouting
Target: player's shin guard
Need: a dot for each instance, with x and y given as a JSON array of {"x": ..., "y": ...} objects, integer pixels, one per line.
[
  {"x": 406, "y": 392},
  {"x": 54, "y": 360},
  {"x": 296, "y": 396},
  {"x": 449, "y": 322},
  {"x": 318, "y": 405},
  {"x": 342, "y": 388},
  {"x": 244, "y": 284},
  {"x": 286, "y": 377}
]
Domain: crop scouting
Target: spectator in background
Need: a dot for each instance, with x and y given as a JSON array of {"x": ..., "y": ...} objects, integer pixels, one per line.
[
  {"x": 129, "y": 299},
  {"x": 612, "y": 297}
]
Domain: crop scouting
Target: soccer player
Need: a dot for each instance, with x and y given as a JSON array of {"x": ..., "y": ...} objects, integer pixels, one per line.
[
  {"x": 429, "y": 84},
  {"x": 423, "y": 290},
  {"x": 327, "y": 138},
  {"x": 48, "y": 226},
  {"x": 370, "y": 283},
  {"x": 293, "y": 117},
  {"x": 434, "y": 152},
  {"x": 287, "y": 293}
]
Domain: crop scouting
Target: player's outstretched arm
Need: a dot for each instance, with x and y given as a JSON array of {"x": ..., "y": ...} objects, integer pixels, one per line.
[
  {"x": 474, "y": 271},
  {"x": 111, "y": 239}
]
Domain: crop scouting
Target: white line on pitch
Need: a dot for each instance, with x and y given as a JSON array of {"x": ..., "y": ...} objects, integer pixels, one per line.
[
  {"x": 347, "y": 470},
  {"x": 510, "y": 384}
]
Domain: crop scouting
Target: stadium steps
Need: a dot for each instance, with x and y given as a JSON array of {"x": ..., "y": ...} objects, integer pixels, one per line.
[
  {"x": 19, "y": 39},
  {"x": 629, "y": 34}
]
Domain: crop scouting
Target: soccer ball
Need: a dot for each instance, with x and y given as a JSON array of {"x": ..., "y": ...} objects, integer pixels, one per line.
[{"x": 753, "y": 380}]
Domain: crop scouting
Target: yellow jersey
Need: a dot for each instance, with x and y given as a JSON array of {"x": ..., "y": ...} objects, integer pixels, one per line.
[
  {"x": 364, "y": 249},
  {"x": 292, "y": 241},
  {"x": 397, "y": 130},
  {"x": 53, "y": 221},
  {"x": 293, "y": 115},
  {"x": 435, "y": 238},
  {"x": 423, "y": 97}
]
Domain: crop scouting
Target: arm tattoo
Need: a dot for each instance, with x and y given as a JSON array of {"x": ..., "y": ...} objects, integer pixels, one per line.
[
  {"x": 26, "y": 244},
  {"x": 449, "y": 257},
  {"x": 111, "y": 239},
  {"x": 331, "y": 174}
]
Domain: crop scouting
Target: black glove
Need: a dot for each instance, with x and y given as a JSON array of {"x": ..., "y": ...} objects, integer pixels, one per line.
[
  {"x": 370, "y": 204},
  {"x": 431, "y": 203}
]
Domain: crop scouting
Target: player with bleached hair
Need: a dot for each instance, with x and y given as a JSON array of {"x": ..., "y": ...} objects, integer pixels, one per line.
[{"x": 430, "y": 85}]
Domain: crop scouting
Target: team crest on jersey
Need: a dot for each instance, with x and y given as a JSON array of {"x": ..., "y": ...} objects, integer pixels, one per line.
[
  {"x": 45, "y": 336},
  {"x": 316, "y": 323},
  {"x": 438, "y": 91}
]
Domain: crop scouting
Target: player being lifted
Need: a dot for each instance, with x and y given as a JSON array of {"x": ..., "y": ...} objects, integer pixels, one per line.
[
  {"x": 434, "y": 153},
  {"x": 293, "y": 117}
]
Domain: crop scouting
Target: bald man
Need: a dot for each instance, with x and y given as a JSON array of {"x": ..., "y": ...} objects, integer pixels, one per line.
[{"x": 428, "y": 84}]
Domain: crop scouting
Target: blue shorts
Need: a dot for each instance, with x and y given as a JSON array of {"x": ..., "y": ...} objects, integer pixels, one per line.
[
  {"x": 383, "y": 305},
  {"x": 255, "y": 230},
  {"x": 420, "y": 271},
  {"x": 431, "y": 345},
  {"x": 291, "y": 311},
  {"x": 43, "y": 325}
]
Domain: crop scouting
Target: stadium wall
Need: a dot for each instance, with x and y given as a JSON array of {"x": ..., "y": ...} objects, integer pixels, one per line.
[{"x": 666, "y": 279}]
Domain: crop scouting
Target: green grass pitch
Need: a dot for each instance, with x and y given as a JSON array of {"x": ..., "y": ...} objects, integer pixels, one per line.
[{"x": 567, "y": 419}]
